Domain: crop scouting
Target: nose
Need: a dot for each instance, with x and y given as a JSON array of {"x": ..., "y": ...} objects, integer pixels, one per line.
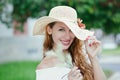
[{"x": 67, "y": 35}]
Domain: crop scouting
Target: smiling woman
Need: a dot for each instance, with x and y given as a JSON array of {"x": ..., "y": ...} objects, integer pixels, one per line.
[
  {"x": 61, "y": 34},
  {"x": 64, "y": 58}
]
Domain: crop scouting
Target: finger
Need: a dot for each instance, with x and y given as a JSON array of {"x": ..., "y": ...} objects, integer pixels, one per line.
[
  {"x": 96, "y": 43},
  {"x": 79, "y": 76},
  {"x": 76, "y": 72},
  {"x": 86, "y": 43},
  {"x": 91, "y": 37},
  {"x": 92, "y": 41},
  {"x": 74, "y": 68},
  {"x": 97, "y": 50}
]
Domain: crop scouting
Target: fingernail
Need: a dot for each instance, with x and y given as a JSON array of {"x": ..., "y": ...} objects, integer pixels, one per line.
[
  {"x": 89, "y": 44},
  {"x": 87, "y": 37}
]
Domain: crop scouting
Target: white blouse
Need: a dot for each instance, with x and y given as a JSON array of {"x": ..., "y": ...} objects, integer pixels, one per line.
[
  {"x": 59, "y": 72},
  {"x": 53, "y": 73}
]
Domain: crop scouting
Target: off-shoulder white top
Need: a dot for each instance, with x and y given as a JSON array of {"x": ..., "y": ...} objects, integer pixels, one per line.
[
  {"x": 59, "y": 72},
  {"x": 53, "y": 73}
]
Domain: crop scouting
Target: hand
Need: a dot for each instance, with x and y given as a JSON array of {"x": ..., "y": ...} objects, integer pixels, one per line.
[
  {"x": 93, "y": 46},
  {"x": 75, "y": 74}
]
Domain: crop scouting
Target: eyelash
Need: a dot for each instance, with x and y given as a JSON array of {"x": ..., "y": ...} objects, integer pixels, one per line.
[
  {"x": 70, "y": 31},
  {"x": 61, "y": 30}
]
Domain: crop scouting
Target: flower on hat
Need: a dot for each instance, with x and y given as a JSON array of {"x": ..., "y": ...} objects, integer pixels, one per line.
[{"x": 81, "y": 25}]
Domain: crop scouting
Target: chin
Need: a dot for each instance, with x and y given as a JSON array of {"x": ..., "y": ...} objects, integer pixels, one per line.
[{"x": 65, "y": 47}]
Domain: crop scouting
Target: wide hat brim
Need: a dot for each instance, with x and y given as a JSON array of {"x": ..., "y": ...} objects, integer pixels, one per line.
[{"x": 41, "y": 23}]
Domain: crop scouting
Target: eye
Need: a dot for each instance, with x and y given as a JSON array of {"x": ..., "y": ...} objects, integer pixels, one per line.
[
  {"x": 61, "y": 29},
  {"x": 70, "y": 30}
]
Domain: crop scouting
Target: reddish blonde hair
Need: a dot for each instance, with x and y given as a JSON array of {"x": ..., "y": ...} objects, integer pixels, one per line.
[{"x": 76, "y": 53}]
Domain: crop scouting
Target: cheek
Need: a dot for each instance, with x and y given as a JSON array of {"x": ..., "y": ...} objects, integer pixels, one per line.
[
  {"x": 72, "y": 36},
  {"x": 56, "y": 37}
]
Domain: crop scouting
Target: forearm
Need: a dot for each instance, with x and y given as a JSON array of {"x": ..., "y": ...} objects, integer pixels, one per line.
[{"x": 98, "y": 72}]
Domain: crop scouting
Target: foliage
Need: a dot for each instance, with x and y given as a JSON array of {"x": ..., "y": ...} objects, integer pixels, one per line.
[
  {"x": 26, "y": 8},
  {"x": 104, "y": 14},
  {"x": 5, "y": 15},
  {"x": 1, "y": 7}
]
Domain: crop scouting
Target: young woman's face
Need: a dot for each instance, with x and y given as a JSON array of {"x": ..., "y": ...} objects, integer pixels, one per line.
[{"x": 61, "y": 34}]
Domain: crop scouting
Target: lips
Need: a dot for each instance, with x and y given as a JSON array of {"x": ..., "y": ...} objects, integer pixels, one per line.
[{"x": 66, "y": 43}]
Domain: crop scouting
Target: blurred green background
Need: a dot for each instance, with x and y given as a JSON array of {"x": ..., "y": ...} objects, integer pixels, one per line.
[{"x": 104, "y": 14}]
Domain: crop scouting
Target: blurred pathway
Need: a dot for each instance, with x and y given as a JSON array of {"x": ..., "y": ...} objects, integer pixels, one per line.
[
  {"x": 115, "y": 76},
  {"x": 20, "y": 48},
  {"x": 111, "y": 63}
]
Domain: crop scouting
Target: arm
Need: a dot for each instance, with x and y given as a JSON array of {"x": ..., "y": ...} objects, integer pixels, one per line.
[
  {"x": 98, "y": 72},
  {"x": 92, "y": 49}
]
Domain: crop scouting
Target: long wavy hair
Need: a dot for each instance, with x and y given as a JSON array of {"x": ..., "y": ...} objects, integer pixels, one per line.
[{"x": 76, "y": 53}]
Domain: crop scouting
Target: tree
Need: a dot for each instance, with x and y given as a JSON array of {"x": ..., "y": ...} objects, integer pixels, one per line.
[
  {"x": 5, "y": 12},
  {"x": 104, "y": 14},
  {"x": 26, "y": 8}
]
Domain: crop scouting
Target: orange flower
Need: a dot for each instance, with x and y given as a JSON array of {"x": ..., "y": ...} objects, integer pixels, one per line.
[{"x": 81, "y": 25}]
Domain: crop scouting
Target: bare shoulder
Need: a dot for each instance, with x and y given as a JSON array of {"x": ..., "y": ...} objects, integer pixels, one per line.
[{"x": 47, "y": 62}]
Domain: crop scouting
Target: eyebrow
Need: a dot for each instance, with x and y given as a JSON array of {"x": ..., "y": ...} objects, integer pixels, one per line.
[{"x": 62, "y": 27}]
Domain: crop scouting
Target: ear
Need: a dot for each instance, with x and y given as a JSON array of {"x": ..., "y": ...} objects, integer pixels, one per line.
[{"x": 49, "y": 30}]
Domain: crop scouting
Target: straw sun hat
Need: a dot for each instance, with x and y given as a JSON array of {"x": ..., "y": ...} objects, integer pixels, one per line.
[{"x": 64, "y": 14}]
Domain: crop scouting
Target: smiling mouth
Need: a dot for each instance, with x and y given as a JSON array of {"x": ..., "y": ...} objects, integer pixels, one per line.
[{"x": 65, "y": 43}]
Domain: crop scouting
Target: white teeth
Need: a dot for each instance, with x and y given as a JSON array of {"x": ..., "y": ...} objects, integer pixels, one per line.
[{"x": 66, "y": 42}]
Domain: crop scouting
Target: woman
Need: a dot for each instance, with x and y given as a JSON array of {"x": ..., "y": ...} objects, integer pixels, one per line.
[{"x": 64, "y": 56}]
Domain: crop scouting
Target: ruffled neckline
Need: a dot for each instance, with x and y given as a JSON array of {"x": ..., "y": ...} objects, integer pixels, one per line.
[{"x": 65, "y": 58}]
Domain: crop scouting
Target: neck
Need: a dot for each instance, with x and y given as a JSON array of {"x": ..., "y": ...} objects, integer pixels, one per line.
[{"x": 59, "y": 48}]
